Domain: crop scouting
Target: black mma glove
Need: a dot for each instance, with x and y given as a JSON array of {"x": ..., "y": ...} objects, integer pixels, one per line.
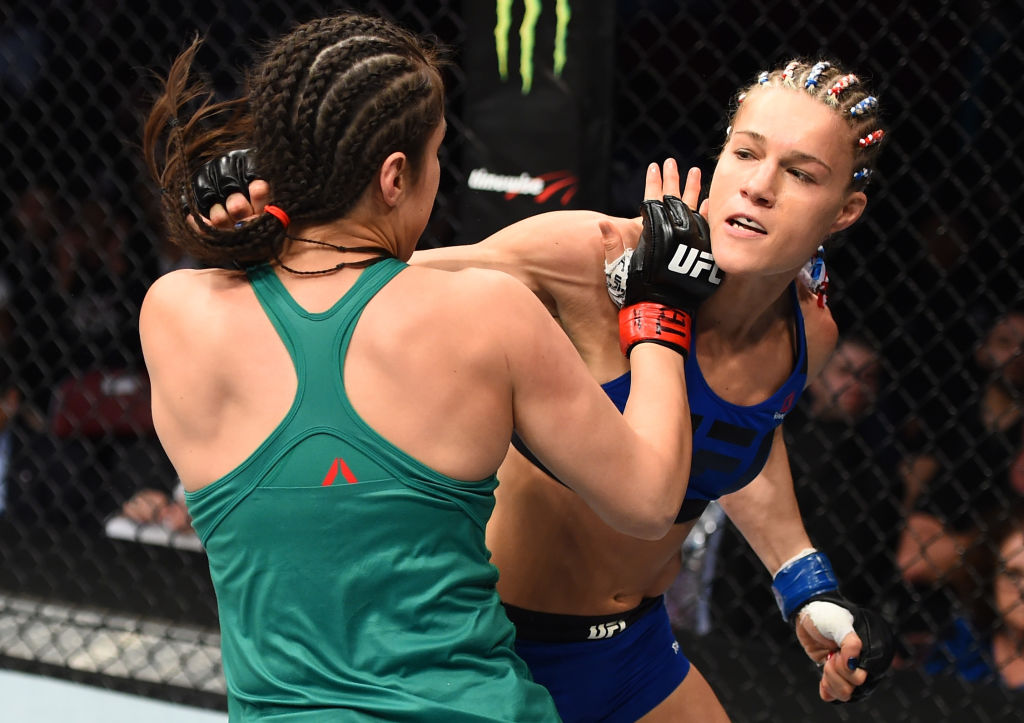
[
  {"x": 218, "y": 179},
  {"x": 668, "y": 275},
  {"x": 877, "y": 643}
]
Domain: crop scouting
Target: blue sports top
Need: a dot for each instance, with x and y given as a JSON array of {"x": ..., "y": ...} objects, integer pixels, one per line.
[{"x": 730, "y": 442}]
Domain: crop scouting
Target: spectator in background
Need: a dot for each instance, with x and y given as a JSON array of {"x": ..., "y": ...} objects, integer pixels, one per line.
[
  {"x": 986, "y": 639},
  {"x": 156, "y": 507},
  {"x": 964, "y": 480},
  {"x": 1008, "y": 599},
  {"x": 847, "y": 388}
]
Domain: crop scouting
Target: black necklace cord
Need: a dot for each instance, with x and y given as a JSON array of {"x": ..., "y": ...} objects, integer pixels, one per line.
[{"x": 380, "y": 255}]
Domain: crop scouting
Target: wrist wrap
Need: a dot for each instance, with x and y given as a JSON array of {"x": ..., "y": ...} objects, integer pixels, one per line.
[
  {"x": 802, "y": 579},
  {"x": 651, "y": 322}
]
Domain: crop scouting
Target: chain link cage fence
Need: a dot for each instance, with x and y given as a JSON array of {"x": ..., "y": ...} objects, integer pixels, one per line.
[{"x": 910, "y": 441}]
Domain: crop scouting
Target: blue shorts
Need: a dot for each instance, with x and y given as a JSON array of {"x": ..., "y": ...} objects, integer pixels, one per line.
[{"x": 614, "y": 668}]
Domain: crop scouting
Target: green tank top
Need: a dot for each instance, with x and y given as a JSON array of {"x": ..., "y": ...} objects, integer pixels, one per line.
[{"x": 352, "y": 581}]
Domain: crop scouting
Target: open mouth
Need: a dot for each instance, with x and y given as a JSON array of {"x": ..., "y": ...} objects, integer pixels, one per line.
[{"x": 747, "y": 224}]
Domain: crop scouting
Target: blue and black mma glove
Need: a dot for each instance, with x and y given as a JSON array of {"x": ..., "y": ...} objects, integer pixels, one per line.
[
  {"x": 659, "y": 285},
  {"x": 806, "y": 584}
]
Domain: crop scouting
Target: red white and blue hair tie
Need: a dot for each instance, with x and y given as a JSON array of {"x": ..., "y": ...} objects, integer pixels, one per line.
[
  {"x": 842, "y": 84},
  {"x": 815, "y": 75},
  {"x": 865, "y": 106},
  {"x": 871, "y": 138}
]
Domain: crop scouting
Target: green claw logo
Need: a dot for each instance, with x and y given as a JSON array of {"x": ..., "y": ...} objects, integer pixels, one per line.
[{"x": 527, "y": 37}]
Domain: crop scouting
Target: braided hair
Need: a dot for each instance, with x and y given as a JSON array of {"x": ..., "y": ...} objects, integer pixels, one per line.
[
  {"x": 326, "y": 104},
  {"x": 844, "y": 92}
]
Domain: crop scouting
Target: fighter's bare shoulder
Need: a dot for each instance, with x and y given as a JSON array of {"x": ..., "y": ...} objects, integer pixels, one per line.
[
  {"x": 472, "y": 289},
  {"x": 185, "y": 305},
  {"x": 181, "y": 291}
]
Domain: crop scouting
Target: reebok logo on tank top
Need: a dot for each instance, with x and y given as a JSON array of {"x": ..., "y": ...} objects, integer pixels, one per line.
[
  {"x": 338, "y": 466},
  {"x": 787, "y": 404}
]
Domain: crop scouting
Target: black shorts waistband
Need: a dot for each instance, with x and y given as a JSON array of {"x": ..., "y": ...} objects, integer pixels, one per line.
[{"x": 555, "y": 628}]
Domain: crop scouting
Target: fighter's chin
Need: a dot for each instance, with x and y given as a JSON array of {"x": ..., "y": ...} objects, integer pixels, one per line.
[
  {"x": 733, "y": 261},
  {"x": 749, "y": 266}
]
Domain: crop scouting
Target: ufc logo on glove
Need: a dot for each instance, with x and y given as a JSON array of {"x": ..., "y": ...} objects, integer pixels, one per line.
[{"x": 691, "y": 262}]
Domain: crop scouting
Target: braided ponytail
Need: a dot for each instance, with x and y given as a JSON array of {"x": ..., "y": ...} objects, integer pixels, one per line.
[{"x": 326, "y": 104}]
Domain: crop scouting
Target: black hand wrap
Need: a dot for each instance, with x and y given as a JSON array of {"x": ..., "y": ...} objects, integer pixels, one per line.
[
  {"x": 877, "y": 643},
  {"x": 219, "y": 178},
  {"x": 670, "y": 273}
]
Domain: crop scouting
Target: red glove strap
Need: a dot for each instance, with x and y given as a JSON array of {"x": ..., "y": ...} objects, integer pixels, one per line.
[{"x": 648, "y": 321}]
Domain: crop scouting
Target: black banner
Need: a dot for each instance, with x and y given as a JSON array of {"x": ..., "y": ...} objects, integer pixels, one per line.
[{"x": 537, "y": 109}]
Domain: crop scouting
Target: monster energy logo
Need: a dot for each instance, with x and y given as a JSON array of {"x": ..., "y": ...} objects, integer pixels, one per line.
[{"x": 528, "y": 38}]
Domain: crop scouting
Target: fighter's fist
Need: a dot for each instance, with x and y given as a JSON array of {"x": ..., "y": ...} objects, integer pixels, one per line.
[
  {"x": 661, "y": 283},
  {"x": 221, "y": 177},
  {"x": 845, "y": 639}
]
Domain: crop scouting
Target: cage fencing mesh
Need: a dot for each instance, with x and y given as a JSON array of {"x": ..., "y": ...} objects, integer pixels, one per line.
[{"x": 927, "y": 291}]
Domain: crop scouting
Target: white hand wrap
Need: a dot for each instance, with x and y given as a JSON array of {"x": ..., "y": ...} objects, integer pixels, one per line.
[
  {"x": 615, "y": 273},
  {"x": 831, "y": 620}
]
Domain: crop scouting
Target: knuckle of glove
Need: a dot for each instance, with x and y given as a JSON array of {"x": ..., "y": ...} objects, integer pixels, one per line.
[
  {"x": 206, "y": 190},
  {"x": 878, "y": 648},
  {"x": 247, "y": 171},
  {"x": 678, "y": 213},
  {"x": 231, "y": 175},
  {"x": 218, "y": 179}
]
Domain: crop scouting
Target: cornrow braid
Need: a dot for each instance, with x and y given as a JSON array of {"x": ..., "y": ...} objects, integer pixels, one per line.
[
  {"x": 333, "y": 101},
  {"x": 326, "y": 104},
  {"x": 839, "y": 90}
]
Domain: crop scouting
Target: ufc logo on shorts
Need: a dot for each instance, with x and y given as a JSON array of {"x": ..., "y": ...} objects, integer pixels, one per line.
[
  {"x": 606, "y": 630},
  {"x": 691, "y": 262}
]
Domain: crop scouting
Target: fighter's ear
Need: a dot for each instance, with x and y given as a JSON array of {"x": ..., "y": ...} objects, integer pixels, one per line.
[
  {"x": 851, "y": 210},
  {"x": 393, "y": 177}
]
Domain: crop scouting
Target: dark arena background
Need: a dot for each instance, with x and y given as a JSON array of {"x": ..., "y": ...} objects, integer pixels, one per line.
[{"x": 552, "y": 104}]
